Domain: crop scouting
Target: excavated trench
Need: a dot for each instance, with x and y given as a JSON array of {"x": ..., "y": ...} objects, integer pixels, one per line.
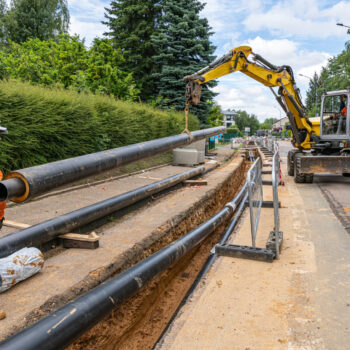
[{"x": 139, "y": 322}]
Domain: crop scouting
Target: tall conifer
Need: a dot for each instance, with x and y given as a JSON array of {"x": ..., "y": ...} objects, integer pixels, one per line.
[
  {"x": 131, "y": 24},
  {"x": 40, "y": 19},
  {"x": 183, "y": 47},
  {"x": 2, "y": 17}
]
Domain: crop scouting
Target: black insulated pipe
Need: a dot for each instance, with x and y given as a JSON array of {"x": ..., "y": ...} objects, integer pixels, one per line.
[
  {"x": 240, "y": 199},
  {"x": 209, "y": 262},
  {"x": 48, "y": 230},
  {"x": 12, "y": 188},
  {"x": 62, "y": 327},
  {"x": 42, "y": 178}
]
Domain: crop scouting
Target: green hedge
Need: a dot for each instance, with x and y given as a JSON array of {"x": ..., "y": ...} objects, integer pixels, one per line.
[{"x": 45, "y": 125}]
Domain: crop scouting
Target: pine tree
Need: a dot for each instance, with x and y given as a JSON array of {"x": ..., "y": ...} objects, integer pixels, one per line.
[
  {"x": 3, "y": 9},
  {"x": 131, "y": 24},
  {"x": 183, "y": 47},
  {"x": 40, "y": 19}
]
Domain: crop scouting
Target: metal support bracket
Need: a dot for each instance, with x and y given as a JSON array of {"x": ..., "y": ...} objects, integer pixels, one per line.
[
  {"x": 266, "y": 204},
  {"x": 271, "y": 241},
  {"x": 245, "y": 252}
]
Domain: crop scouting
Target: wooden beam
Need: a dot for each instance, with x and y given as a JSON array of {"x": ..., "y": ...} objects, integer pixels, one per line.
[
  {"x": 77, "y": 240},
  {"x": 196, "y": 182},
  {"x": 15, "y": 224}
]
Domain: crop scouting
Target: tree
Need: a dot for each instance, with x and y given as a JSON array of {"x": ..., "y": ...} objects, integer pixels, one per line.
[
  {"x": 313, "y": 94},
  {"x": 131, "y": 24},
  {"x": 40, "y": 19},
  {"x": 233, "y": 130},
  {"x": 215, "y": 115},
  {"x": 267, "y": 124},
  {"x": 335, "y": 76},
  {"x": 182, "y": 47},
  {"x": 3, "y": 11},
  {"x": 243, "y": 120}
]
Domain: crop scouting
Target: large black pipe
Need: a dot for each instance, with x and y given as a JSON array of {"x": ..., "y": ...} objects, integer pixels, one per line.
[
  {"x": 241, "y": 198},
  {"x": 47, "y": 230},
  {"x": 45, "y": 177},
  {"x": 62, "y": 327}
]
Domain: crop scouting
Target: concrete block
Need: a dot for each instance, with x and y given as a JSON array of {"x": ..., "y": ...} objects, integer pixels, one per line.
[
  {"x": 201, "y": 157},
  {"x": 198, "y": 145},
  {"x": 183, "y": 156}
]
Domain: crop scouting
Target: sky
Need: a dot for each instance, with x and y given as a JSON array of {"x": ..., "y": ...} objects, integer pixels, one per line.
[{"x": 299, "y": 33}]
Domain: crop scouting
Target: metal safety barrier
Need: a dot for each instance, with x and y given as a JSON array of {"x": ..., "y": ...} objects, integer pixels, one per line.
[
  {"x": 255, "y": 195},
  {"x": 255, "y": 202},
  {"x": 276, "y": 179}
]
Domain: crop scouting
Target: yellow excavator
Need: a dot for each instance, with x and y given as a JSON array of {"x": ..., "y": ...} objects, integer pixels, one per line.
[{"x": 322, "y": 144}]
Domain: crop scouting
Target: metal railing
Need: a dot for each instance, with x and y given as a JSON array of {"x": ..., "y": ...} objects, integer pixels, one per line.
[
  {"x": 255, "y": 193},
  {"x": 276, "y": 178}
]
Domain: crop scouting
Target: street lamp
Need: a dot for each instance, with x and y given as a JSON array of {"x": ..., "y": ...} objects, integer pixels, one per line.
[
  {"x": 305, "y": 76},
  {"x": 343, "y": 25}
]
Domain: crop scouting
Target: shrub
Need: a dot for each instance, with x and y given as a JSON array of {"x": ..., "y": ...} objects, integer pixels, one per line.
[{"x": 45, "y": 124}]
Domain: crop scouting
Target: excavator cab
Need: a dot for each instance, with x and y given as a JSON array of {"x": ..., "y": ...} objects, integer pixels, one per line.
[{"x": 335, "y": 118}]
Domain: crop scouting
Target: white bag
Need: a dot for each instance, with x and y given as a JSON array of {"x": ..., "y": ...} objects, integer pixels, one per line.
[{"x": 19, "y": 266}]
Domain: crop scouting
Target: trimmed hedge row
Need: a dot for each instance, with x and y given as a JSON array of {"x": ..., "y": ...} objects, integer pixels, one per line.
[{"x": 45, "y": 125}]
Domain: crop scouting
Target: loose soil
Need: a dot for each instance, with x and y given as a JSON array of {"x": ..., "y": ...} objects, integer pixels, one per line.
[{"x": 139, "y": 322}]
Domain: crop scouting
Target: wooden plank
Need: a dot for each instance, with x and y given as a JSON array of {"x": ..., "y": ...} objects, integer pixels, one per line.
[
  {"x": 15, "y": 224},
  {"x": 150, "y": 178},
  {"x": 91, "y": 237},
  {"x": 77, "y": 240},
  {"x": 196, "y": 182}
]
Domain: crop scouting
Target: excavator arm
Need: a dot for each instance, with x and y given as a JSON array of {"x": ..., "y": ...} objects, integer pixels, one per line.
[{"x": 258, "y": 68}]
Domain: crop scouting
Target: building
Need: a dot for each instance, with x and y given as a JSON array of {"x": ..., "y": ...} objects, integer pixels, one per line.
[
  {"x": 279, "y": 125},
  {"x": 228, "y": 118}
]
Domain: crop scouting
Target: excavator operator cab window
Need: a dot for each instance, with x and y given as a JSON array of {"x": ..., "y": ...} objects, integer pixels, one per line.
[{"x": 334, "y": 115}]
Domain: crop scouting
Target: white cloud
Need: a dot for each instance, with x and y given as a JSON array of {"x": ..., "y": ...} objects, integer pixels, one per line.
[
  {"x": 86, "y": 18},
  {"x": 249, "y": 96},
  {"x": 238, "y": 91},
  {"x": 86, "y": 29},
  {"x": 288, "y": 52},
  {"x": 300, "y": 18}
]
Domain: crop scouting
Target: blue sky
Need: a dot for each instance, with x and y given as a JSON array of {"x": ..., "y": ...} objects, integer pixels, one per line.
[{"x": 299, "y": 33}]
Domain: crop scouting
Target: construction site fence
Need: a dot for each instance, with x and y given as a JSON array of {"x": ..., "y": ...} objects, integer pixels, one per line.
[
  {"x": 271, "y": 145},
  {"x": 255, "y": 197},
  {"x": 276, "y": 179}
]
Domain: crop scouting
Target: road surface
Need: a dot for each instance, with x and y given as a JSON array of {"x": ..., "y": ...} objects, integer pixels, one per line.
[{"x": 335, "y": 188}]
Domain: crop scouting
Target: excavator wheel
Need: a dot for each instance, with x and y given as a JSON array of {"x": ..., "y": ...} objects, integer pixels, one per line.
[
  {"x": 309, "y": 178},
  {"x": 290, "y": 162},
  {"x": 299, "y": 178}
]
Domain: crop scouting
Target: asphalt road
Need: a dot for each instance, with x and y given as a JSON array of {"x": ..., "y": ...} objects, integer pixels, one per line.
[{"x": 335, "y": 188}]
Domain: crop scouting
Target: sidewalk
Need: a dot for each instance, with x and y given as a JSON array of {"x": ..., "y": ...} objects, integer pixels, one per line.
[{"x": 299, "y": 302}]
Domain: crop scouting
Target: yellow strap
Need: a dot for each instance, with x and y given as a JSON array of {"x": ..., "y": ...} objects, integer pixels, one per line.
[{"x": 186, "y": 131}]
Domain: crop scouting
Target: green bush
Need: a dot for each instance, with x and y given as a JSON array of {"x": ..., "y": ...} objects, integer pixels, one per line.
[
  {"x": 45, "y": 124},
  {"x": 68, "y": 63}
]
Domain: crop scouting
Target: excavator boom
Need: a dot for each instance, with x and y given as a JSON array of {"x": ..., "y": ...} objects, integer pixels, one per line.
[{"x": 272, "y": 76}]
